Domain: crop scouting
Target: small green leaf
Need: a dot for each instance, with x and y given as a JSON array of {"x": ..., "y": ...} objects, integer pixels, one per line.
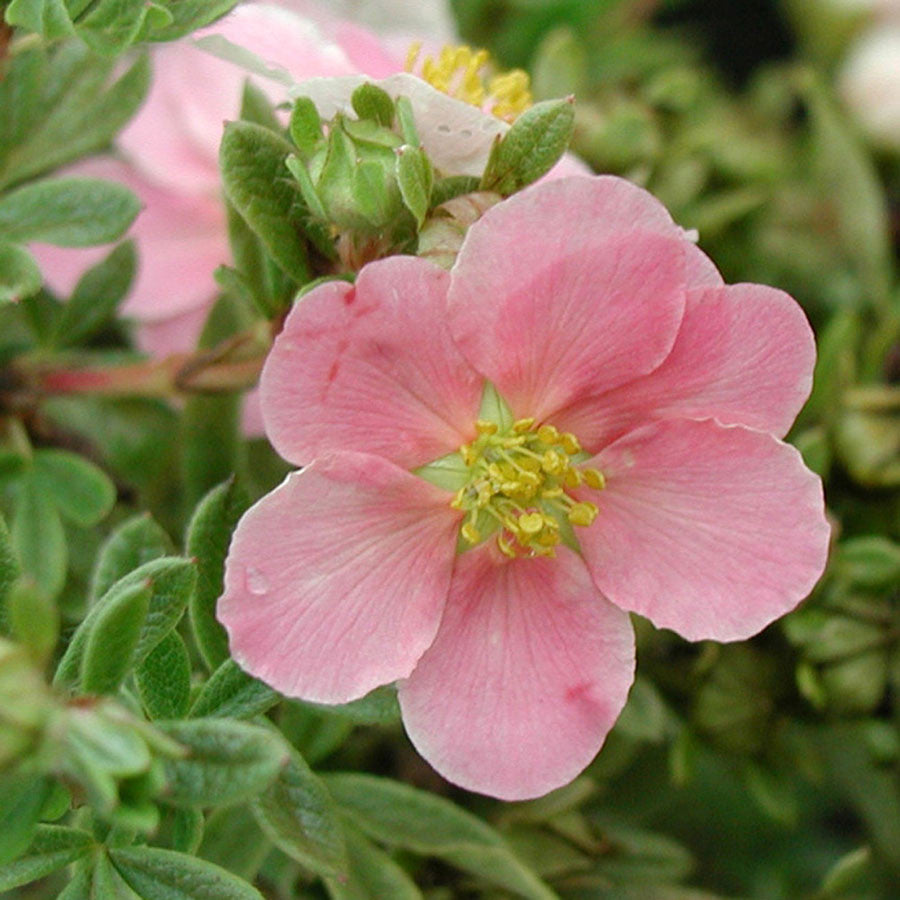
[
  {"x": 82, "y": 492},
  {"x": 372, "y": 875},
  {"x": 22, "y": 798},
  {"x": 371, "y": 102},
  {"x": 872, "y": 561},
  {"x": 135, "y": 542},
  {"x": 10, "y": 570},
  {"x": 68, "y": 212},
  {"x": 171, "y": 580},
  {"x": 227, "y": 761},
  {"x": 305, "y": 125},
  {"x": 98, "y": 292},
  {"x": 33, "y": 620},
  {"x": 255, "y": 107},
  {"x": 189, "y": 15},
  {"x": 399, "y": 815},
  {"x": 39, "y": 538},
  {"x": 231, "y": 692},
  {"x": 49, "y": 18},
  {"x": 113, "y": 638},
  {"x": 208, "y": 538},
  {"x": 258, "y": 183},
  {"x": 111, "y": 26},
  {"x": 534, "y": 144},
  {"x": 415, "y": 176},
  {"x": 155, "y": 874},
  {"x": 299, "y": 816},
  {"x": 164, "y": 679},
  {"x": 52, "y": 848},
  {"x": 19, "y": 273},
  {"x": 378, "y": 707}
]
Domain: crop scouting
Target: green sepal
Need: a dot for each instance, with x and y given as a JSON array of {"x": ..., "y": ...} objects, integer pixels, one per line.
[
  {"x": 494, "y": 408},
  {"x": 531, "y": 147},
  {"x": 371, "y": 102},
  {"x": 415, "y": 176},
  {"x": 305, "y": 126},
  {"x": 19, "y": 273}
]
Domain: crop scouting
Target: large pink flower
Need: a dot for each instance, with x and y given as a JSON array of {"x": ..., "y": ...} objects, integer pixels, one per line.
[{"x": 430, "y": 537}]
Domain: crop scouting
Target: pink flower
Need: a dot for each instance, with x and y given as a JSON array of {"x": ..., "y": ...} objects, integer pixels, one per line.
[{"x": 597, "y": 322}]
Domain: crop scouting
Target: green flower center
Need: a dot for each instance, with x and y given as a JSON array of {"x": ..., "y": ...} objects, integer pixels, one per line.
[{"x": 518, "y": 479}]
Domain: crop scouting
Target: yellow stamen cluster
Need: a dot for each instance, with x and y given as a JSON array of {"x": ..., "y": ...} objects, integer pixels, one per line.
[
  {"x": 518, "y": 485},
  {"x": 462, "y": 72}
]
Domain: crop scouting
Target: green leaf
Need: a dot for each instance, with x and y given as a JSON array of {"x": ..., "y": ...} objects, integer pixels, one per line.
[
  {"x": 373, "y": 874},
  {"x": 82, "y": 492},
  {"x": 872, "y": 561},
  {"x": 97, "y": 295},
  {"x": 61, "y": 107},
  {"x": 155, "y": 874},
  {"x": 19, "y": 273},
  {"x": 300, "y": 817},
  {"x": 233, "y": 839},
  {"x": 415, "y": 176},
  {"x": 68, "y": 212},
  {"x": 208, "y": 538},
  {"x": 39, "y": 538},
  {"x": 9, "y": 569},
  {"x": 33, "y": 620},
  {"x": 171, "y": 580},
  {"x": 135, "y": 542},
  {"x": 378, "y": 707},
  {"x": 113, "y": 638},
  {"x": 164, "y": 679},
  {"x": 258, "y": 184},
  {"x": 371, "y": 102},
  {"x": 189, "y": 15},
  {"x": 111, "y": 26},
  {"x": 305, "y": 126},
  {"x": 256, "y": 107},
  {"x": 534, "y": 144},
  {"x": 399, "y": 815},
  {"x": 49, "y": 18},
  {"x": 52, "y": 848},
  {"x": 22, "y": 799},
  {"x": 227, "y": 761},
  {"x": 107, "y": 883},
  {"x": 231, "y": 692}
]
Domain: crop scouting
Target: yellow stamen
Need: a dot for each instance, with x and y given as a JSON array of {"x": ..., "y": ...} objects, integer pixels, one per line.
[{"x": 465, "y": 74}]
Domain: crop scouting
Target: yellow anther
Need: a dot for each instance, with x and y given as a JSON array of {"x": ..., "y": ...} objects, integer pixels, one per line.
[
  {"x": 593, "y": 478},
  {"x": 483, "y": 426},
  {"x": 551, "y": 462},
  {"x": 470, "y": 533},
  {"x": 463, "y": 73},
  {"x": 469, "y": 454},
  {"x": 531, "y": 523},
  {"x": 520, "y": 426},
  {"x": 572, "y": 477},
  {"x": 570, "y": 443},
  {"x": 583, "y": 514},
  {"x": 552, "y": 493},
  {"x": 548, "y": 434},
  {"x": 505, "y": 547}
]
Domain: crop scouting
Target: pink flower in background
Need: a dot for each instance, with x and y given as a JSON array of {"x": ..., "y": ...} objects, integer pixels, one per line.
[
  {"x": 637, "y": 466},
  {"x": 170, "y": 149}
]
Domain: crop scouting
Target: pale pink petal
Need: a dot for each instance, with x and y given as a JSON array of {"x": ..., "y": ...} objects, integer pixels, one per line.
[
  {"x": 709, "y": 530},
  {"x": 577, "y": 318},
  {"x": 177, "y": 334},
  {"x": 371, "y": 367},
  {"x": 335, "y": 582},
  {"x": 744, "y": 355},
  {"x": 175, "y": 137},
  {"x": 530, "y": 668},
  {"x": 252, "y": 425},
  {"x": 568, "y": 165},
  {"x": 180, "y": 240}
]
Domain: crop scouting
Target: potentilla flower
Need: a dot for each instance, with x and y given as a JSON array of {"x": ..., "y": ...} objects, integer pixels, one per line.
[{"x": 579, "y": 420}]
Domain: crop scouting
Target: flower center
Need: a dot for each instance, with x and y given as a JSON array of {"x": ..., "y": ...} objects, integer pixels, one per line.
[
  {"x": 518, "y": 483},
  {"x": 464, "y": 73}
]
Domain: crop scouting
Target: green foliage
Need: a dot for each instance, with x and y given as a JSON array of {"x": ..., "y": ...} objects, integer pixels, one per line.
[
  {"x": 70, "y": 212},
  {"x": 52, "y": 848},
  {"x": 19, "y": 273},
  {"x": 164, "y": 679},
  {"x": 231, "y": 692}
]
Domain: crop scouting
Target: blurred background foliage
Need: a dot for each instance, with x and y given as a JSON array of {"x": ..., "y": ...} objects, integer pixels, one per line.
[{"x": 767, "y": 770}]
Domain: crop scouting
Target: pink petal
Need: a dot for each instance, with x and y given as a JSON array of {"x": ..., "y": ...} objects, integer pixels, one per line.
[
  {"x": 175, "y": 137},
  {"x": 372, "y": 368},
  {"x": 744, "y": 355},
  {"x": 528, "y": 673},
  {"x": 578, "y": 317},
  {"x": 335, "y": 581},
  {"x": 177, "y": 334},
  {"x": 180, "y": 238},
  {"x": 709, "y": 530}
]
